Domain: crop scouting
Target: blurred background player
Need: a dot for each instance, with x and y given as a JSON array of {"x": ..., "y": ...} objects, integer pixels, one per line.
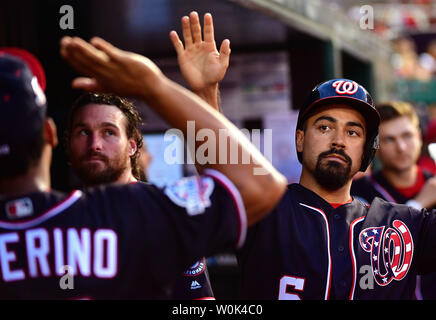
[{"x": 401, "y": 179}]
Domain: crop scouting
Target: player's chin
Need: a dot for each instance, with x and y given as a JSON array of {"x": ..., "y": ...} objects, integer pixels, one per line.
[{"x": 332, "y": 175}]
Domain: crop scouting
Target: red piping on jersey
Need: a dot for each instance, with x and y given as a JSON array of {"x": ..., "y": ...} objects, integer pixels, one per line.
[
  {"x": 329, "y": 272},
  {"x": 237, "y": 200},
  {"x": 353, "y": 257},
  {"x": 55, "y": 210}
]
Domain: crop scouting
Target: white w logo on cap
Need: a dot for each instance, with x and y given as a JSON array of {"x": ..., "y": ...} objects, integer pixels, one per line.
[{"x": 345, "y": 87}]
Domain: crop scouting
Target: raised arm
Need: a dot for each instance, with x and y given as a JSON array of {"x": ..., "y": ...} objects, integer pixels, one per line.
[
  {"x": 201, "y": 65},
  {"x": 109, "y": 69}
]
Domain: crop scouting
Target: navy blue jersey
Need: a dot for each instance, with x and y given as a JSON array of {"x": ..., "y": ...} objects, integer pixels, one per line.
[
  {"x": 376, "y": 185},
  {"x": 194, "y": 283},
  {"x": 307, "y": 249},
  {"x": 115, "y": 242}
]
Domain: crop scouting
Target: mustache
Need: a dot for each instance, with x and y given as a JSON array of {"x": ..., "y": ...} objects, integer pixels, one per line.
[
  {"x": 335, "y": 151},
  {"x": 99, "y": 155}
]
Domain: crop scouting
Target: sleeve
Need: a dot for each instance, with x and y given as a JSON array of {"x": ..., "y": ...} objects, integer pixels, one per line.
[
  {"x": 194, "y": 283},
  {"x": 195, "y": 217}
]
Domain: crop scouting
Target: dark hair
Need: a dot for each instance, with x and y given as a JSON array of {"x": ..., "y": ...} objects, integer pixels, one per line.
[
  {"x": 23, "y": 156},
  {"x": 126, "y": 107}
]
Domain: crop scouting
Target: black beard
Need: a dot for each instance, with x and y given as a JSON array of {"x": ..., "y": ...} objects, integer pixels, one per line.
[{"x": 332, "y": 175}]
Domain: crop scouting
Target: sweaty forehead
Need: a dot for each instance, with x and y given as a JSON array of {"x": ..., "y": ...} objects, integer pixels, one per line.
[{"x": 95, "y": 115}]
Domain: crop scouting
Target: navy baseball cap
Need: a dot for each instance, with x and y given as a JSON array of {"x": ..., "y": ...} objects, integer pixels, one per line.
[
  {"x": 343, "y": 91},
  {"x": 22, "y": 104},
  {"x": 350, "y": 93}
]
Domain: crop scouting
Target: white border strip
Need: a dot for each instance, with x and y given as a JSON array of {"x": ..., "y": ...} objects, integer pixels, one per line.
[
  {"x": 327, "y": 289},
  {"x": 238, "y": 201},
  {"x": 70, "y": 200},
  {"x": 353, "y": 255}
]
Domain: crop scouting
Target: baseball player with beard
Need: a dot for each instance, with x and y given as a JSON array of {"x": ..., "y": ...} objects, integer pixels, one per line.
[
  {"x": 44, "y": 233},
  {"x": 318, "y": 239}
]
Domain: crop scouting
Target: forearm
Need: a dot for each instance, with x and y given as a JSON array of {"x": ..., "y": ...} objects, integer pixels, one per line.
[{"x": 178, "y": 105}]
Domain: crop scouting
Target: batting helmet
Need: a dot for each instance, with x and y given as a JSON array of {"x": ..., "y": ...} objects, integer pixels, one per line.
[{"x": 350, "y": 93}]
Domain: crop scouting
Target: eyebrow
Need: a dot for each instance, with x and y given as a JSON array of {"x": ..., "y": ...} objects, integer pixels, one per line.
[{"x": 331, "y": 119}]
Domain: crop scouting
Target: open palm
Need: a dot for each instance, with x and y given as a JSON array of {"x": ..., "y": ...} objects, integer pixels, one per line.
[{"x": 201, "y": 64}]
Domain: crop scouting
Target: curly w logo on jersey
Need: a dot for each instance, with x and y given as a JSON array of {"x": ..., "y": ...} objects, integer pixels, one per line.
[{"x": 391, "y": 251}]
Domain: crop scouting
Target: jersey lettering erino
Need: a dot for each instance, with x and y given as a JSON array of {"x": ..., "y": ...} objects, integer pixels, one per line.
[{"x": 86, "y": 252}]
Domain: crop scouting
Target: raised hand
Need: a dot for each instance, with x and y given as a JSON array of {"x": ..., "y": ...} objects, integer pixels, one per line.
[
  {"x": 109, "y": 69},
  {"x": 201, "y": 64}
]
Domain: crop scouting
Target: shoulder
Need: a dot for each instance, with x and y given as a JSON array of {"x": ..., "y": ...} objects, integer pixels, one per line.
[
  {"x": 362, "y": 182},
  {"x": 381, "y": 207}
]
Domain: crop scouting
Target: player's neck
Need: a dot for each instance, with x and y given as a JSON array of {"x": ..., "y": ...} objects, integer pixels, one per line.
[
  {"x": 36, "y": 179},
  {"x": 401, "y": 178},
  {"x": 341, "y": 195}
]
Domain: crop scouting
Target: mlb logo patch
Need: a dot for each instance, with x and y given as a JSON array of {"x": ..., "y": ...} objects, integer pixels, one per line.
[{"x": 19, "y": 208}]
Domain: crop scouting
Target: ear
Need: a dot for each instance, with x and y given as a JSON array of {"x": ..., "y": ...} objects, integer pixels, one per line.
[
  {"x": 299, "y": 140},
  {"x": 50, "y": 132},
  {"x": 132, "y": 147}
]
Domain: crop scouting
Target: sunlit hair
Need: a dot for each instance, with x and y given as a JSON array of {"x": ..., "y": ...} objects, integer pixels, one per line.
[{"x": 390, "y": 110}]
